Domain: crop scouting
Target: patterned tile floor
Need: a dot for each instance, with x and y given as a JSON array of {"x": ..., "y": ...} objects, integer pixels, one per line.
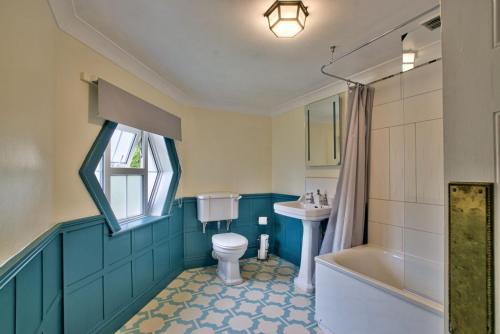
[{"x": 198, "y": 302}]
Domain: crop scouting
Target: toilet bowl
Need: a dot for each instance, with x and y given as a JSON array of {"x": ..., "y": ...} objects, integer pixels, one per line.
[{"x": 228, "y": 248}]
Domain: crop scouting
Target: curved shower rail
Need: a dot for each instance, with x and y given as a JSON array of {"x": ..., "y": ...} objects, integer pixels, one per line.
[{"x": 399, "y": 26}]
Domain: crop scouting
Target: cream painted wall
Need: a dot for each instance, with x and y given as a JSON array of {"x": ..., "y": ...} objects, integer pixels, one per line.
[
  {"x": 46, "y": 129},
  {"x": 289, "y": 151},
  {"x": 27, "y": 65},
  {"x": 219, "y": 150}
]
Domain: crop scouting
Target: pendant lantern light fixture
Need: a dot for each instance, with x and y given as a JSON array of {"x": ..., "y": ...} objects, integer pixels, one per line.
[{"x": 286, "y": 18}]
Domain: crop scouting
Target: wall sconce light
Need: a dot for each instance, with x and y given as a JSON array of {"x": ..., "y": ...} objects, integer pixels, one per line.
[{"x": 286, "y": 18}]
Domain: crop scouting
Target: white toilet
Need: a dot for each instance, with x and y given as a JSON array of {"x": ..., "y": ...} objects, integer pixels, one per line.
[{"x": 228, "y": 248}]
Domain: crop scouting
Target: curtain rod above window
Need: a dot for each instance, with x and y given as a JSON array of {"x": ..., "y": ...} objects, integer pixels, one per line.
[{"x": 117, "y": 105}]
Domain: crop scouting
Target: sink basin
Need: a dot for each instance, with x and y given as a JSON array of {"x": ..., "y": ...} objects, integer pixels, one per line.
[
  {"x": 311, "y": 216},
  {"x": 303, "y": 211}
]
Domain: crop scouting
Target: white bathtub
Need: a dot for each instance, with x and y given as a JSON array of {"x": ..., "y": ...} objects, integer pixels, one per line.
[{"x": 360, "y": 291}]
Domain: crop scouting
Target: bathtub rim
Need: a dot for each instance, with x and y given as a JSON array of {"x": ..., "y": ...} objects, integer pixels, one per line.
[{"x": 408, "y": 296}]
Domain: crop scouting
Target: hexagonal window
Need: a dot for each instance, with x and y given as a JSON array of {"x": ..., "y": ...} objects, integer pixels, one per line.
[{"x": 135, "y": 176}]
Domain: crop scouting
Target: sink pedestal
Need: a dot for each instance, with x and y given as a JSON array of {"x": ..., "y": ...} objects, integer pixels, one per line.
[
  {"x": 310, "y": 249},
  {"x": 311, "y": 216}
]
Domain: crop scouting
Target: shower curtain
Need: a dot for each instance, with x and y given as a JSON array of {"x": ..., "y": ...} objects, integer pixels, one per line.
[{"x": 346, "y": 225}]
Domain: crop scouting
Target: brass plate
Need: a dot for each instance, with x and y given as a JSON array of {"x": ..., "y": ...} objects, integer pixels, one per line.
[{"x": 471, "y": 295}]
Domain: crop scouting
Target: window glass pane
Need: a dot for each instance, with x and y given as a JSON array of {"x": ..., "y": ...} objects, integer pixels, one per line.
[
  {"x": 121, "y": 146},
  {"x": 134, "y": 195},
  {"x": 118, "y": 196},
  {"x": 126, "y": 148},
  {"x": 99, "y": 172},
  {"x": 136, "y": 159},
  {"x": 152, "y": 171}
]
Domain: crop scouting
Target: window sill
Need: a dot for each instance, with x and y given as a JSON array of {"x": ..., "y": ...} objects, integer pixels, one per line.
[{"x": 137, "y": 223}]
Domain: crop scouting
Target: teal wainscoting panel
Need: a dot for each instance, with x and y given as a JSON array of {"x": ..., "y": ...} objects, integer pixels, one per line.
[
  {"x": 29, "y": 297},
  {"x": 52, "y": 274},
  {"x": 7, "y": 308},
  {"x": 118, "y": 247},
  {"x": 160, "y": 231},
  {"x": 143, "y": 272},
  {"x": 83, "y": 307},
  {"x": 288, "y": 233},
  {"x": 143, "y": 237},
  {"x": 162, "y": 261},
  {"x": 83, "y": 252},
  {"x": 54, "y": 319},
  {"x": 176, "y": 224},
  {"x": 134, "y": 264},
  {"x": 118, "y": 288}
]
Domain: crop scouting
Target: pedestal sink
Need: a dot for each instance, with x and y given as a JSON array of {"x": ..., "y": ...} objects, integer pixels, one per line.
[{"x": 311, "y": 216}]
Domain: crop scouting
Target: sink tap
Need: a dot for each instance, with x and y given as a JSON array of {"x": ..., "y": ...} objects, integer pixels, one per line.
[
  {"x": 309, "y": 198},
  {"x": 322, "y": 198}
]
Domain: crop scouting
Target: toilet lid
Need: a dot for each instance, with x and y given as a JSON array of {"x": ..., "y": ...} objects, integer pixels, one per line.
[{"x": 229, "y": 240}]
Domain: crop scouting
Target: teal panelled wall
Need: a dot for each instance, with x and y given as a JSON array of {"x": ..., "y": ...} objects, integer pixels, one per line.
[
  {"x": 107, "y": 279},
  {"x": 31, "y": 301},
  {"x": 78, "y": 279},
  {"x": 287, "y": 233}
]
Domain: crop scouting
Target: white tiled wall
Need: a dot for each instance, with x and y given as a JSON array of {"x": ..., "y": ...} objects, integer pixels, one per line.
[
  {"x": 406, "y": 211},
  {"x": 326, "y": 185}
]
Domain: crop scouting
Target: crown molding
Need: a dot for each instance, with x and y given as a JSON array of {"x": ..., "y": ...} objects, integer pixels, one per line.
[{"x": 68, "y": 21}]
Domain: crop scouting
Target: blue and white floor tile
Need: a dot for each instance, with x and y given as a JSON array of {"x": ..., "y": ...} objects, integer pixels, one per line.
[{"x": 197, "y": 302}]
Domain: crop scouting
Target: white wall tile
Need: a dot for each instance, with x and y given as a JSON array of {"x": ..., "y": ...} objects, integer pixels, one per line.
[
  {"x": 410, "y": 168},
  {"x": 393, "y": 237},
  {"x": 389, "y": 114},
  {"x": 429, "y": 246},
  {"x": 425, "y": 277},
  {"x": 386, "y": 212},
  {"x": 423, "y": 79},
  {"x": 429, "y": 162},
  {"x": 328, "y": 184},
  {"x": 424, "y": 217},
  {"x": 379, "y": 164},
  {"x": 386, "y": 236},
  {"x": 387, "y": 91},
  {"x": 423, "y": 107},
  {"x": 397, "y": 163},
  {"x": 376, "y": 234}
]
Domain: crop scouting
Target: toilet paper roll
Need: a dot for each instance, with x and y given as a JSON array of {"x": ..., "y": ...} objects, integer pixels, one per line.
[{"x": 263, "y": 247}]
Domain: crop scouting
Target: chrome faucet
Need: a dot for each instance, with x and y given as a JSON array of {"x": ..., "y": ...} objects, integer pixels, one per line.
[
  {"x": 322, "y": 198},
  {"x": 309, "y": 198}
]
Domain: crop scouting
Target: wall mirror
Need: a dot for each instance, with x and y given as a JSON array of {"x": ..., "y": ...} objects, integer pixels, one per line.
[{"x": 323, "y": 132}]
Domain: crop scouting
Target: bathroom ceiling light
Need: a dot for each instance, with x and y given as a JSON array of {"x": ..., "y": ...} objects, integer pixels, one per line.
[{"x": 286, "y": 18}]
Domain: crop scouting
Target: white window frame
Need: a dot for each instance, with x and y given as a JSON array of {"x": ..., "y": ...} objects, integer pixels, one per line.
[{"x": 108, "y": 171}]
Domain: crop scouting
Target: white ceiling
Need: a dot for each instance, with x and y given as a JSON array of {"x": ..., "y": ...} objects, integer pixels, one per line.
[{"x": 220, "y": 54}]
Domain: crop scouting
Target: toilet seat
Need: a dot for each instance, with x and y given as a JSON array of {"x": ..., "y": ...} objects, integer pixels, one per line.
[{"x": 229, "y": 241}]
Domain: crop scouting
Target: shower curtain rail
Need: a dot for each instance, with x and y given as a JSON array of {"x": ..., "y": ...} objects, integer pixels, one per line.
[{"x": 334, "y": 60}]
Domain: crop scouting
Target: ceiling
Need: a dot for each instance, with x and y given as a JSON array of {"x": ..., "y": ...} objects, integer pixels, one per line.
[{"x": 220, "y": 54}]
